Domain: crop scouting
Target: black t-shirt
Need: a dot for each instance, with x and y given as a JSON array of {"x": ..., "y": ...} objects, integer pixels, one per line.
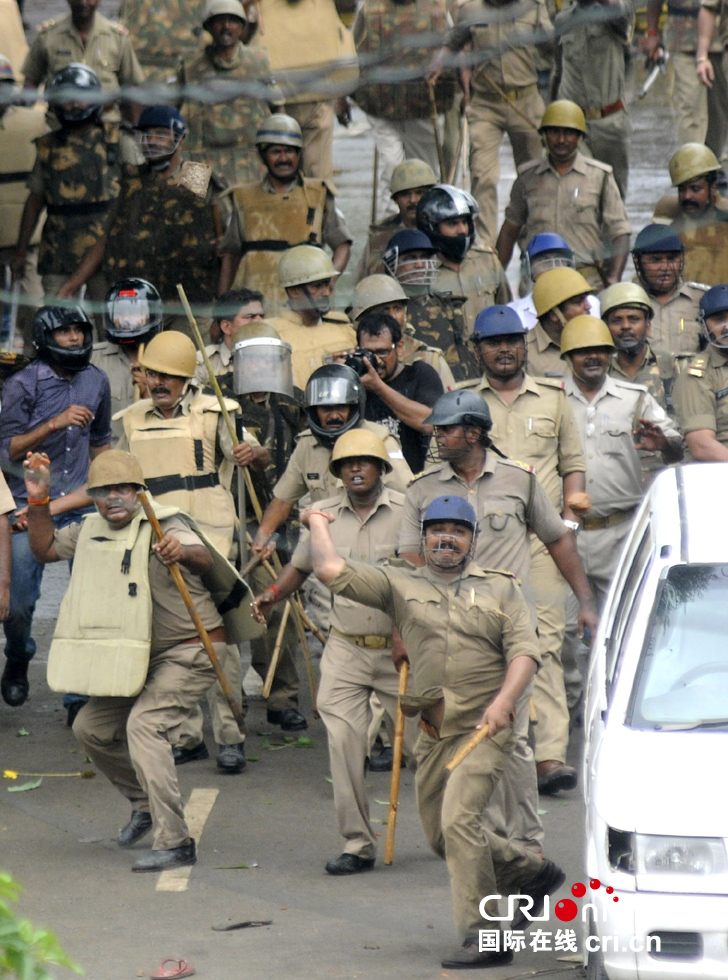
[{"x": 421, "y": 383}]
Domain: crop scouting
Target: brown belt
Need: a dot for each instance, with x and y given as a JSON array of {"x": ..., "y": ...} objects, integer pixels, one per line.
[
  {"x": 429, "y": 729},
  {"x": 510, "y": 94},
  {"x": 600, "y": 523},
  {"x": 606, "y": 110},
  {"x": 371, "y": 641},
  {"x": 216, "y": 636}
]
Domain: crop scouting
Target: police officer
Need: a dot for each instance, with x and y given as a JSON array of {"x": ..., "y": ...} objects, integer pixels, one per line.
[
  {"x": 590, "y": 71},
  {"x": 334, "y": 404},
  {"x": 133, "y": 316},
  {"x": 282, "y": 210},
  {"x": 499, "y": 90},
  {"x": 469, "y": 636},
  {"x": 76, "y": 179},
  {"x": 702, "y": 224},
  {"x": 558, "y": 296},
  {"x": 86, "y": 37},
  {"x": 701, "y": 389},
  {"x": 357, "y": 658},
  {"x": 446, "y": 215},
  {"x": 315, "y": 332},
  {"x": 709, "y": 72},
  {"x": 147, "y": 678},
  {"x": 659, "y": 260},
  {"x": 532, "y": 422},
  {"x": 383, "y": 294},
  {"x": 178, "y": 436},
  {"x": 410, "y": 180},
  {"x": 569, "y": 194},
  {"x": 223, "y": 133}
]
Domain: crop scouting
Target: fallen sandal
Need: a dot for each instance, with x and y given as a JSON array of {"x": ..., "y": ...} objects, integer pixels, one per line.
[{"x": 176, "y": 968}]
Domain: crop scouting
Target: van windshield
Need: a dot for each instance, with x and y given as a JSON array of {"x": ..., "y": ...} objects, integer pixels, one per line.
[{"x": 682, "y": 679}]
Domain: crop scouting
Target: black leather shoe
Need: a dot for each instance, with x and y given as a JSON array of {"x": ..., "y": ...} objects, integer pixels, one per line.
[
  {"x": 349, "y": 864},
  {"x": 290, "y": 719},
  {"x": 139, "y": 825},
  {"x": 384, "y": 761},
  {"x": 72, "y": 712},
  {"x": 468, "y": 957},
  {"x": 14, "y": 685},
  {"x": 554, "y": 776},
  {"x": 548, "y": 880},
  {"x": 173, "y": 857},
  {"x": 231, "y": 758},
  {"x": 189, "y": 755}
]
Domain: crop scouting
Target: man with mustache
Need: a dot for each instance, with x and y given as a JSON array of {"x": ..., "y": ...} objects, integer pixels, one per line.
[
  {"x": 700, "y": 391},
  {"x": 702, "y": 224},
  {"x": 558, "y": 296},
  {"x": 533, "y": 422}
]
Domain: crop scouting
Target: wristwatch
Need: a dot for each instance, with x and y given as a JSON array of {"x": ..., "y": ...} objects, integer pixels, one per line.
[{"x": 574, "y": 526}]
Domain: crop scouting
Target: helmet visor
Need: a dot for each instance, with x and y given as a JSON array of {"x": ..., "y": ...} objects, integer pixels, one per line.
[
  {"x": 129, "y": 313},
  {"x": 262, "y": 364},
  {"x": 331, "y": 391}
]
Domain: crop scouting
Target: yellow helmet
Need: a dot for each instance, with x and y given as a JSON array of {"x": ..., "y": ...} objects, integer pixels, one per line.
[
  {"x": 303, "y": 264},
  {"x": 625, "y": 294},
  {"x": 555, "y": 286},
  {"x": 170, "y": 352},
  {"x": 114, "y": 466},
  {"x": 585, "y": 331},
  {"x": 254, "y": 329},
  {"x": 374, "y": 290},
  {"x": 564, "y": 115},
  {"x": 357, "y": 443},
  {"x": 410, "y": 174},
  {"x": 690, "y": 161}
]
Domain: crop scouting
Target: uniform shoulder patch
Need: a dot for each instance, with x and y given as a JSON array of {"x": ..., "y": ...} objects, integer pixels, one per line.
[
  {"x": 500, "y": 571},
  {"x": 480, "y": 247},
  {"x": 517, "y": 463},
  {"x": 702, "y": 286},
  {"x": 430, "y": 469},
  {"x": 591, "y": 162},
  {"x": 550, "y": 382},
  {"x": 697, "y": 366},
  {"x": 628, "y": 385},
  {"x": 528, "y": 165}
]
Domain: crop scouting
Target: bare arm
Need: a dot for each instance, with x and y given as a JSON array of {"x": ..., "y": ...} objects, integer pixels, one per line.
[
  {"x": 499, "y": 713},
  {"x": 31, "y": 212},
  {"x": 327, "y": 562},
  {"x": 77, "y": 415},
  {"x": 705, "y": 447},
  {"x": 276, "y": 513},
  {"x": 37, "y": 474},
  {"x": 651, "y": 43},
  {"x": 89, "y": 265},
  {"x": 706, "y": 30},
  {"x": 565, "y": 555},
  {"x": 341, "y": 256},
  {"x": 572, "y": 483},
  {"x": 195, "y": 557},
  {"x": 507, "y": 238},
  {"x": 288, "y": 582}
]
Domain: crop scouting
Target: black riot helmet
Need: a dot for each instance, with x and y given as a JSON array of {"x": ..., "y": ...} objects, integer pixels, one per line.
[
  {"x": 440, "y": 203},
  {"x": 334, "y": 384},
  {"x": 50, "y": 318},
  {"x": 75, "y": 78},
  {"x": 134, "y": 311},
  {"x": 462, "y": 407}
]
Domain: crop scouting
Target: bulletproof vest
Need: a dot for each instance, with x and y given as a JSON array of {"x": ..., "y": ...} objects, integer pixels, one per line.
[
  {"x": 103, "y": 634},
  {"x": 162, "y": 232},
  {"x": 312, "y": 344},
  {"x": 290, "y": 44},
  {"x": 389, "y": 30},
  {"x": 18, "y": 128},
  {"x": 178, "y": 460},
  {"x": 164, "y": 33},
  {"x": 273, "y": 223},
  {"x": 706, "y": 253},
  {"x": 438, "y": 321}
]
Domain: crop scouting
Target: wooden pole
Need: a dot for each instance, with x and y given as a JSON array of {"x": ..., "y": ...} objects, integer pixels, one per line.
[
  {"x": 396, "y": 768},
  {"x": 276, "y": 651},
  {"x": 201, "y": 631},
  {"x": 436, "y": 129},
  {"x": 480, "y": 735}
]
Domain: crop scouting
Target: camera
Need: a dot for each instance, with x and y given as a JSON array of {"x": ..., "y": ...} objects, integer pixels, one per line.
[{"x": 356, "y": 359}]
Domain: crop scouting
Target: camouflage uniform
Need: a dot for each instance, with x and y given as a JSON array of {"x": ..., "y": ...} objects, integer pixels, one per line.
[
  {"x": 417, "y": 350},
  {"x": 223, "y": 134},
  {"x": 370, "y": 262},
  {"x": 108, "y": 50},
  {"x": 164, "y": 33},
  {"x": 440, "y": 321},
  {"x": 480, "y": 279}
]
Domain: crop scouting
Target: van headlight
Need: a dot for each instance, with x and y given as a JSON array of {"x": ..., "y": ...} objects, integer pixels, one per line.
[{"x": 680, "y": 855}]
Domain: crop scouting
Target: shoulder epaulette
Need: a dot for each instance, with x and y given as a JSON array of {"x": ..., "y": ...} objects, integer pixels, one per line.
[
  {"x": 698, "y": 365},
  {"x": 599, "y": 164},
  {"x": 516, "y": 462},
  {"x": 396, "y": 496},
  {"x": 496, "y": 571},
  {"x": 528, "y": 165},
  {"x": 628, "y": 385},
  {"x": 480, "y": 247},
  {"x": 46, "y": 24},
  {"x": 703, "y": 286},
  {"x": 466, "y": 385},
  {"x": 550, "y": 382},
  {"x": 431, "y": 469}
]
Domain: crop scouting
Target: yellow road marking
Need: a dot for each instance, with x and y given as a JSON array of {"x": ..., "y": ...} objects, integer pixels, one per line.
[{"x": 196, "y": 813}]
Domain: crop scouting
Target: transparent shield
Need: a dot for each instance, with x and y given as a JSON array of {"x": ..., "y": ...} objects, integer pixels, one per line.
[{"x": 262, "y": 364}]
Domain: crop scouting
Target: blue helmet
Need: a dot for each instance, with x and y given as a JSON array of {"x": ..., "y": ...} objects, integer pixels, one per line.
[
  {"x": 164, "y": 116},
  {"x": 409, "y": 240},
  {"x": 714, "y": 301},
  {"x": 657, "y": 238},
  {"x": 497, "y": 321},
  {"x": 547, "y": 242},
  {"x": 451, "y": 509}
]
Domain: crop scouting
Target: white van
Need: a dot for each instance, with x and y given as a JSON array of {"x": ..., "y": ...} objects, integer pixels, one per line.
[{"x": 656, "y": 754}]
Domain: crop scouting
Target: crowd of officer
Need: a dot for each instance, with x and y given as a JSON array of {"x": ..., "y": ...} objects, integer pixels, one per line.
[{"x": 443, "y": 471}]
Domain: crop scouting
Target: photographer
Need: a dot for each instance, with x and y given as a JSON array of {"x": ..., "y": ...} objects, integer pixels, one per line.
[{"x": 399, "y": 396}]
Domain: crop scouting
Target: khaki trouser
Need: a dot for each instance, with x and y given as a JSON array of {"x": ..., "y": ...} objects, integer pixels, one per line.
[
  {"x": 316, "y": 120},
  {"x": 96, "y": 290},
  {"x": 130, "y": 739},
  {"x": 349, "y": 674},
  {"x": 479, "y": 862},
  {"x": 224, "y": 727},
  {"x": 700, "y": 113},
  {"x": 549, "y": 697},
  {"x": 608, "y": 140},
  {"x": 487, "y": 122}
]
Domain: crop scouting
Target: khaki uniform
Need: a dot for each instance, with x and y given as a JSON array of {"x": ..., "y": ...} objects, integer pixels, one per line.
[
  {"x": 112, "y": 360},
  {"x": 460, "y": 637},
  {"x": 418, "y": 350},
  {"x": 108, "y": 50},
  {"x": 165, "y": 33},
  {"x": 593, "y": 76},
  {"x": 480, "y": 279},
  {"x": 674, "y": 323},
  {"x": 313, "y": 345},
  {"x": 130, "y": 739},
  {"x": 657, "y": 374},
  {"x": 584, "y": 207},
  {"x": 539, "y": 428},
  {"x": 543, "y": 355},
  {"x": 356, "y": 662},
  {"x": 264, "y": 224},
  {"x": 370, "y": 260},
  {"x": 706, "y": 246},
  {"x": 308, "y": 468},
  {"x": 700, "y": 394},
  {"x": 527, "y": 311},
  {"x": 495, "y": 29},
  {"x": 223, "y": 134},
  {"x": 440, "y": 320}
]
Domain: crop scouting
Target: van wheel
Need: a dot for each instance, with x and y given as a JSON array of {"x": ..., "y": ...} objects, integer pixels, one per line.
[{"x": 595, "y": 967}]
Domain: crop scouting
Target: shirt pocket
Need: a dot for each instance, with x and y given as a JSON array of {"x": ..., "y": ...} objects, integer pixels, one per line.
[
  {"x": 615, "y": 437},
  {"x": 502, "y": 516},
  {"x": 541, "y": 437}
]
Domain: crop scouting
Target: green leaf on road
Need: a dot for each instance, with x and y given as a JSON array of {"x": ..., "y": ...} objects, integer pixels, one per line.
[
  {"x": 23, "y": 731},
  {"x": 33, "y": 784}
]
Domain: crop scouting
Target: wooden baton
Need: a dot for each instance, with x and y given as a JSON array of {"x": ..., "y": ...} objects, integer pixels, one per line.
[
  {"x": 464, "y": 752},
  {"x": 396, "y": 768}
]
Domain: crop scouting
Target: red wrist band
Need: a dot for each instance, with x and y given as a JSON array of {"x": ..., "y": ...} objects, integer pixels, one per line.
[
  {"x": 272, "y": 588},
  {"x": 39, "y": 503}
]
